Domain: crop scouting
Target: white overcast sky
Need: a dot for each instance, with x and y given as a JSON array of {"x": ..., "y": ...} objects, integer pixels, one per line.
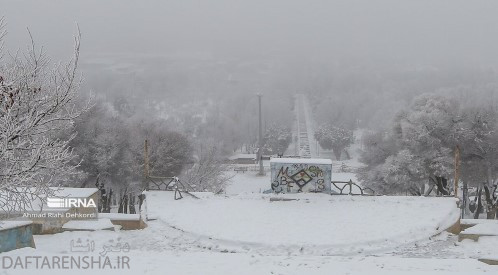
[{"x": 417, "y": 31}]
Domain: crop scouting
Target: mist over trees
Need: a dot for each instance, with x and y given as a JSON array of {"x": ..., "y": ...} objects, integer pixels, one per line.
[
  {"x": 417, "y": 154},
  {"x": 110, "y": 145},
  {"x": 192, "y": 94},
  {"x": 381, "y": 101}
]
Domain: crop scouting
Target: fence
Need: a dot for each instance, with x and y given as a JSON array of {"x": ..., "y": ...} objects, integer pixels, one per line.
[{"x": 349, "y": 186}]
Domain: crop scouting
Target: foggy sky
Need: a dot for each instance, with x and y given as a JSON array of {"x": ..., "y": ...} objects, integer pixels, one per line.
[{"x": 418, "y": 32}]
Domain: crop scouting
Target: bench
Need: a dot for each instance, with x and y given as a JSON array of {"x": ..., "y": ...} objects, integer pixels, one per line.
[{"x": 240, "y": 169}]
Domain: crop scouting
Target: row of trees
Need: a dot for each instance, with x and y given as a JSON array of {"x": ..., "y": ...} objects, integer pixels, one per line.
[
  {"x": 110, "y": 145},
  {"x": 50, "y": 136},
  {"x": 417, "y": 154}
]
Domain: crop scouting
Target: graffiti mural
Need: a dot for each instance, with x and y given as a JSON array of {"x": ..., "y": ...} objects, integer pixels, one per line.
[{"x": 300, "y": 175}]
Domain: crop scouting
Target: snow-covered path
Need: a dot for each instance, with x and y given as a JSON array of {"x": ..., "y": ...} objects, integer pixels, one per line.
[{"x": 306, "y": 143}]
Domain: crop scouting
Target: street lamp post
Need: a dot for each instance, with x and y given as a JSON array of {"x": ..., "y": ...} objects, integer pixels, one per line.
[{"x": 260, "y": 151}]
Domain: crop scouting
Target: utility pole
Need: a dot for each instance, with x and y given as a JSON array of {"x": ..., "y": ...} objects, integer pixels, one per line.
[
  {"x": 457, "y": 169},
  {"x": 260, "y": 151},
  {"x": 146, "y": 165},
  {"x": 463, "y": 202}
]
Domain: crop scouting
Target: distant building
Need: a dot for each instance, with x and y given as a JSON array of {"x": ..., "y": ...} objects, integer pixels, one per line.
[{"x": 243, "y": 159}]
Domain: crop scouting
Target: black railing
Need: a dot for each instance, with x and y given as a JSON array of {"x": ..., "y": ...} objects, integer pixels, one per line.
[{"x": 351, "y": 184}]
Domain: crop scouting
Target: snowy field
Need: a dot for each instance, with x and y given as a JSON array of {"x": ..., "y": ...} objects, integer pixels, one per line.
[
  {"x": 315, "y": 224},
  {"x": 208, "y": 263},
  {"x": 247, "y": 232}
]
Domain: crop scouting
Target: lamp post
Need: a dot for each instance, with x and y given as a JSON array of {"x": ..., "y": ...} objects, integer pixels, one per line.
[{"x": 260, "y": 151}]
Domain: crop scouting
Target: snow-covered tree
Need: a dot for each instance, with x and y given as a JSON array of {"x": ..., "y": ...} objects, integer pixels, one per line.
[
  {"x": 102, "y": 145},
  {"x": 334, "y": 138},
  {"x": 37, "y": 104},
  {"x": 479, "y": 143},
  {"x": 276, "y": 140},
  {"x": 169, "y": 151},
  {"x": 423, "y": 138}
]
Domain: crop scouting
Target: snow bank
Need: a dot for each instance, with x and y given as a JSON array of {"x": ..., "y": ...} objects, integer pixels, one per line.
[
  {"x": 477, "y": 221},
  {"x": 317, "y": 222},
  {"x": 92, "y": 225},
  {"x": 8, "y": 224},
  {"x": 120, "y": 216},
  {"x": 484, "y": 229},
  {"x": 248, "y": 182}
]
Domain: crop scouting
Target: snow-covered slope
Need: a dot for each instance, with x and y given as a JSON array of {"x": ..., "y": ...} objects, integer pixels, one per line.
[{"x": 313, "y": 223}]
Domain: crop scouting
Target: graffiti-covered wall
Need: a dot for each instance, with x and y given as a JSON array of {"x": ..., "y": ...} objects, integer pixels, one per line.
[{"x": 300, "y": 175}]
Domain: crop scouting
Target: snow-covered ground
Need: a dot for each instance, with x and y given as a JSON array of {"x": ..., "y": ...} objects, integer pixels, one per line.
[
  {"x": 248, "y": 234},
  {"x": 317, "y": 224},
  {"x": 248, "y": 182},
  {"x": 209, "y": 263}
]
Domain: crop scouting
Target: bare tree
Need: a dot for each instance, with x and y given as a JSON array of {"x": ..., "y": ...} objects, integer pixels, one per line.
[
  {"x": 37, "y": 105},
  {"x": 209, "y": 172}
]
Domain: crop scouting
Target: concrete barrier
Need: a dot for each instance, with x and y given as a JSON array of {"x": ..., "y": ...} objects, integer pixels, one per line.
[{"x": 15, "y": 235}]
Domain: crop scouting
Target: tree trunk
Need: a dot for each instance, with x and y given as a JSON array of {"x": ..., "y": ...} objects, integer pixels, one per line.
[
  {"x": 347, "y": 154},
  {"x": 132, "y": 204},
  {"x": 442, "y": 185},
  {"x": 337, "y": 153},
  {"x": 479, "y": 204}
]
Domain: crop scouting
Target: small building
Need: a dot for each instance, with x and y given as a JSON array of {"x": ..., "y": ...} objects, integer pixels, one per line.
[
  {"x": 290, "y": 175},
  {"x": 243, "y": 159}
]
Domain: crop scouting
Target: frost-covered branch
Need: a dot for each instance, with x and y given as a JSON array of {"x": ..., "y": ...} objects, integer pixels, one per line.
[{"x": 37, "y": 108}]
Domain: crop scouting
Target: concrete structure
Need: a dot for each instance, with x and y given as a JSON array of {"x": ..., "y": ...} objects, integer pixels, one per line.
[
  {"x": 15, "y": 235},
  {"x": 126, "y": 221},
  {"x": 481, "y": 228},
  {"x": 289, "y": 175}
]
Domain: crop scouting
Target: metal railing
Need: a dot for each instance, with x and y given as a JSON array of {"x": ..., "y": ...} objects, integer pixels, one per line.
[{"x": 351, "y": 184}]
